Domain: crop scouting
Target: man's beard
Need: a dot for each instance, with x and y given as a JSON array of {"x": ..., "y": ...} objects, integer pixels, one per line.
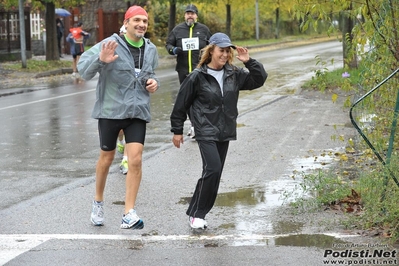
[
  {"x": 190, "y": 22},
  {"x": 139, "y": 35}
]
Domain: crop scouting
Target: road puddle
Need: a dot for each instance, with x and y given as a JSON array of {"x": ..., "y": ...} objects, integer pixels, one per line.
[
  {"x": 308, "y": 240},
  {"x": 255, "y": 211},
  {"x": 316, "y": 160}
]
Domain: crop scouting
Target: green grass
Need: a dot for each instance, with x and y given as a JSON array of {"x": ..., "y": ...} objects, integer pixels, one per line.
[
  {"x": 379, "y": 194},
  {"x": 325, "y": 79},
  {"x": 317, "y": 189},
  {"x": 33, "y": 65}
]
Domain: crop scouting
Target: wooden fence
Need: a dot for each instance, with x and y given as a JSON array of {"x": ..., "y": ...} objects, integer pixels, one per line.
[
  {"x": 36, "y": 26},
  {"x": 108, "y": 23}
]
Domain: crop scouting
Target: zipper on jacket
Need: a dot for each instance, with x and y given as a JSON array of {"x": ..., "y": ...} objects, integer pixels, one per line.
[{"x": 190, "y": 69}]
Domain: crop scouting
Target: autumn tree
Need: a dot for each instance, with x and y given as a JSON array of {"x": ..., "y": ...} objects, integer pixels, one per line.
[
  {"x": 51, "y": 28},
  {"x": 359, "y": 22}
]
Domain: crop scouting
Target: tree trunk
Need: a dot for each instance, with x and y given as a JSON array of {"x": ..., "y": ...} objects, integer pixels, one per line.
[
  {"x": 277, "y": 30},
  {"x": 172, "y": 15},
  {"x": 349, "y": 51},
  {"x": 51, "y": 33},
  {"x": 228, "y": 20}
]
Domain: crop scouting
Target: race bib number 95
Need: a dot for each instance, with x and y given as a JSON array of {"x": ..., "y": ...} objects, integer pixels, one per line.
[{"x": 190, "y": 44}]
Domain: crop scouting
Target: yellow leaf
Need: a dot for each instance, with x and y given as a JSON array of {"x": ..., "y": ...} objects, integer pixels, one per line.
[{"x": 334, "y": 97}]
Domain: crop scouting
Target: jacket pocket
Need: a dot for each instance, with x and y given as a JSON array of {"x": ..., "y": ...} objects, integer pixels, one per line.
[{"x": 121, "y": 74}]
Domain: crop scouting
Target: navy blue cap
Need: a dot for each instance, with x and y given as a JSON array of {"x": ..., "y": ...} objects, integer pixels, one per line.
[{"x": 222, "y": 40}]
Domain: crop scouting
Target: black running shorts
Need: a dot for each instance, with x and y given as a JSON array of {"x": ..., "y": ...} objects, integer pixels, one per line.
[{"x": 133, "y": 129}]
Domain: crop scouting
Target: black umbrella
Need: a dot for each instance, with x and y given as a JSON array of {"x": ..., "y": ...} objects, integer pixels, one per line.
[{"x": 62, "y": 12}]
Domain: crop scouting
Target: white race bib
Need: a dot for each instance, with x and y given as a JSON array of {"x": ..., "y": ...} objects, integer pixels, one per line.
[
  {"x": 190, "y": 44},
  {"x": 137, "y": 71}
]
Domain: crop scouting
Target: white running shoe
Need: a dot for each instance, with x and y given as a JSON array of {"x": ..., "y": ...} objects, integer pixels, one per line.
[
  {"x": 198, "y": 223},
  {"x": 97, "y": 213},
  {"x": 123, "y": 167}
]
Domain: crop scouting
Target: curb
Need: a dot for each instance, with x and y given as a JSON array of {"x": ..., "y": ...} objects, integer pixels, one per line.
[{"x": 55, "y": 72}]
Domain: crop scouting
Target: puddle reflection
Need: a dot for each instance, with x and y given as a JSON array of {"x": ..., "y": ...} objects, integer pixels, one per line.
[
  {"x": 243, "y": 196},
  {"x": 306, "y": 240}
]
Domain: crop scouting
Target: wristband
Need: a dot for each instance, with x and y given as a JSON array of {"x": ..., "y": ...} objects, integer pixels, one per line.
[{"x": 101, "y": 63}]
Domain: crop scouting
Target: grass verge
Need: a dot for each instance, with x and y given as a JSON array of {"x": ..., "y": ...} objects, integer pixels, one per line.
[{"x": 369, "y": 196}]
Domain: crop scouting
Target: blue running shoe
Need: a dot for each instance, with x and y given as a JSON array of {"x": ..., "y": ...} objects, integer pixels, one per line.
[{"x": 131, "y": 221}]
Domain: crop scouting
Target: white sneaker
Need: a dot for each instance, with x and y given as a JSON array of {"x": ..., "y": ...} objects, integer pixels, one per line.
[
  {"x": 198, "y": 223},
  {"x": 97, "y": 213},
  {"x": 74, "y": 74},
  {"x": 191, "y": 132},
  {"x": 123, "y": 167}
]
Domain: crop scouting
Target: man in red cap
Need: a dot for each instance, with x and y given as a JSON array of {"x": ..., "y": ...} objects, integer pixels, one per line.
[{"x": 125, "y": 64}]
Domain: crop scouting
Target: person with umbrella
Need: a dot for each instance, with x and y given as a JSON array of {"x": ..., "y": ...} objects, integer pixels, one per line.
[
  {"x": 60, "y": 33},
  {"x": 62, "y": 12}
]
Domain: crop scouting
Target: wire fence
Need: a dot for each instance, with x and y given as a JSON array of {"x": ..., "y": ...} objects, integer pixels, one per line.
[{"x": 375, "y": 116}]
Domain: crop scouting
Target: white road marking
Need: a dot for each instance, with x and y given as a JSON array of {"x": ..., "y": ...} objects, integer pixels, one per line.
[
  {"x": 13, "y": 245},
  {"x": 46, "y": 99}
]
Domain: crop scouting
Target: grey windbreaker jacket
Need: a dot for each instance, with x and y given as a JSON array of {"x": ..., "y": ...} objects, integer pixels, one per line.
[
  {"x": 120, "y": 94},
  {"x": 214, "y": 115}
]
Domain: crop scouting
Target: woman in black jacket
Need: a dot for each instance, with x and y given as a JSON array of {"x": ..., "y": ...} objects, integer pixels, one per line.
[{"x": 211, "y": 91}]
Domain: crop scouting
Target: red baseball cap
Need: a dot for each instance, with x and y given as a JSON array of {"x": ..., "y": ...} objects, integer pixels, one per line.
[{"x": 134, "y": 11}]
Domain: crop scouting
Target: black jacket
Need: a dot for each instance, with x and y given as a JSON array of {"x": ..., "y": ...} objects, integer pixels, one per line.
[
  {"x": 214, "y": 115},
  {"x": 175, "y": 40}
]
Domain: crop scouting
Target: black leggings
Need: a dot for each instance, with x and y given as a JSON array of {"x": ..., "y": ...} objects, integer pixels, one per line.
[
  {"x": 213, "y": 154},
  {"x": 133, "y": 129}
]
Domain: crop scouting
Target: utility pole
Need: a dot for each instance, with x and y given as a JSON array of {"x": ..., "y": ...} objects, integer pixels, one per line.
[
  {"x": 257, "y": 19},
  {"x": 22, "y": 32}
]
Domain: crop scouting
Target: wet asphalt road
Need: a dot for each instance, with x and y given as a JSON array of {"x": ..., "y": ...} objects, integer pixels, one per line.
[{"x": 49, "y": 147}]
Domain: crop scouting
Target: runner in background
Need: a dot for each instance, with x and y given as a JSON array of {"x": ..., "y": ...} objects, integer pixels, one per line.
[
  {"x": 186, "y": 41},
  {"x": 76, "y": 38}
]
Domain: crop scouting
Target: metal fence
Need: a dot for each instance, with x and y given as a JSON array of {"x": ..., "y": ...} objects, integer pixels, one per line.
[{"x": 375, "y": 116}]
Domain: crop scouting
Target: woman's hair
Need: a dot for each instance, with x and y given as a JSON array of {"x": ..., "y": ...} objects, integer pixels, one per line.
[{"x": 206, "y": 56}]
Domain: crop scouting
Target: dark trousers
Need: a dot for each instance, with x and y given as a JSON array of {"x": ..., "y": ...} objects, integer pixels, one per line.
[
  {"x": 213, "y": 154},
  {"x": 182, "y": 75},
  {"x": 59, "y": 37}
]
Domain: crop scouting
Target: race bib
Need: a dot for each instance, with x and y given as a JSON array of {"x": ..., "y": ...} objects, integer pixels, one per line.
[
  {"x": 190, "y": 44},
  {"x": 137, "y": 71}
]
